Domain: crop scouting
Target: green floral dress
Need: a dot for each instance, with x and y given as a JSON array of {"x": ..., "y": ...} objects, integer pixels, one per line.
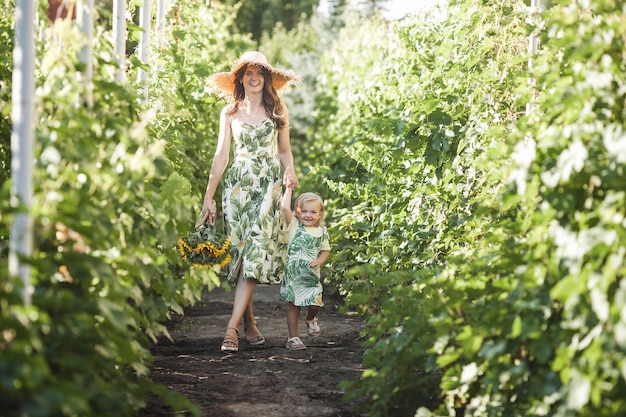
[
  {"x": 301, "y": 284},
  {"x": 251, "y": 203}
]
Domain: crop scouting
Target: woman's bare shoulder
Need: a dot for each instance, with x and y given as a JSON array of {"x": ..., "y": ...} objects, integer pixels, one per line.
[
  {"x": 227, "y": 114},
  {"x": 229, "y": 108}
]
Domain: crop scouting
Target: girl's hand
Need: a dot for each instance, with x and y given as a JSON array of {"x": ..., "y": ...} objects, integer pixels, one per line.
[
  {"x": 208, "y": 213},
  {"x": 289, "y": 178},
  {"x": 315, "y": 264}
]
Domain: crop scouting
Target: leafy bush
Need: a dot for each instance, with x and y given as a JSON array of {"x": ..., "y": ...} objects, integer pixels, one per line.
[
  {"x": 114, "y": 191},
  {"x": 484, "y": 247},
  {"x": 186, "y": 115},
  {"x": 6, "y": 67},
  {"x": 552, "y": 274}
]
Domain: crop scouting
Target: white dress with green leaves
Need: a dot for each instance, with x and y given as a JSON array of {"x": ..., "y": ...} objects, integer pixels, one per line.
[
  {"x": 301, "y": 284},
  {"x": 251, "y": 203}
]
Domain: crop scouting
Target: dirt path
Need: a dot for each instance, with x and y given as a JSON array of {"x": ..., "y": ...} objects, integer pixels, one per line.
[{"x": 266, "y": 381}]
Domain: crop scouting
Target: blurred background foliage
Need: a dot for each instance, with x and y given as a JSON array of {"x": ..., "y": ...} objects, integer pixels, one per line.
[{"x": 475, "y": 203}]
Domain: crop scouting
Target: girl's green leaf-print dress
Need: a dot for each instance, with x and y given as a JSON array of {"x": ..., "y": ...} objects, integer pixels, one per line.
[
  {"x": 251, "y": 203},
  {"x": 301, "y": 284}
]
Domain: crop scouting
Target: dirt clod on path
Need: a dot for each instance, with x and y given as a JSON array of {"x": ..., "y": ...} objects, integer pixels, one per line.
[{"x": 266, "y": 380}]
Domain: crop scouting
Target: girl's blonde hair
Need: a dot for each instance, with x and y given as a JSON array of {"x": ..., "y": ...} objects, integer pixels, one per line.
[{"x": 310, "y": 197}]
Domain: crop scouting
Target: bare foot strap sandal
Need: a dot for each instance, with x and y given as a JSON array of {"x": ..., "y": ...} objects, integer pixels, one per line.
[
  {"x": 256, "y": 338},
  {"x": 231, "y": 340}
]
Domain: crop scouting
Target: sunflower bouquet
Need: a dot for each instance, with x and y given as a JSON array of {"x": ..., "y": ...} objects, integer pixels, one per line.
[{"x": 205, "y": 248}]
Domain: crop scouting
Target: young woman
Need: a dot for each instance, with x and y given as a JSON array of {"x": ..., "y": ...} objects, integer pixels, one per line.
[
  {"x": 307, "y": 252},
  {"x": 257, "y": 122}
]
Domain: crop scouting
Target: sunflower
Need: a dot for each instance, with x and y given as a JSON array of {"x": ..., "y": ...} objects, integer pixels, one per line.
[{"x": 205, "y": 248}]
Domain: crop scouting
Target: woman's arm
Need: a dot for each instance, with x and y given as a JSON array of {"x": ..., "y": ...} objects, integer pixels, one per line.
[
  {"x": 220, "y": 160},
  {"x": 284, "y": 153}
]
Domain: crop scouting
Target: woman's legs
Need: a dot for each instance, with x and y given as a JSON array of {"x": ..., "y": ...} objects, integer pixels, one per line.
[
  {"x": 242, "y": 304},
  {"x": 253, "y": 334}
]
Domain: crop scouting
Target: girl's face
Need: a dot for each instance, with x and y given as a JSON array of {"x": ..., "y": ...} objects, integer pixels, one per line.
[
  {"x": 253, "y": 80},
  {"x": 310, "y": 213}
]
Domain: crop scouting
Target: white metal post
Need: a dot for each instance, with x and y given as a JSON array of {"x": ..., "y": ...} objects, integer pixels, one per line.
[
  {"x": 22, "y": 133},
  {"x": 119, "y": 34},
  {"x": 144, "y": 44},
  {"x": 85, "y": 14},
  {"x": 160, "y": 22}
]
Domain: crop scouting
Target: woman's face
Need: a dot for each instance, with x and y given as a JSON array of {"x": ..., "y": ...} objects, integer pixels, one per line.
[{"x": 253, "y": 80}]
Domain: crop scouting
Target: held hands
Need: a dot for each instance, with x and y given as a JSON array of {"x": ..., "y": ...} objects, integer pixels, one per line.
[
  {"x": 289, "y": 178},
  {"x": 208, "y": 214}
]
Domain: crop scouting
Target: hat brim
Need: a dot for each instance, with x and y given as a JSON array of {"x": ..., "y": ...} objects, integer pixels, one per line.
[{"x": 223, "y": 83}]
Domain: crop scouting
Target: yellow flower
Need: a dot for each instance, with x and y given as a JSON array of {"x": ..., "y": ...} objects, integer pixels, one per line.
[
  {"x": 225, "y": 261},
  {"x": 204, "y": 248}
]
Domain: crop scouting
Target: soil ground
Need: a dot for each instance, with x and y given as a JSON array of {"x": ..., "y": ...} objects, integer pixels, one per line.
[{"x": 260, "y": 381}]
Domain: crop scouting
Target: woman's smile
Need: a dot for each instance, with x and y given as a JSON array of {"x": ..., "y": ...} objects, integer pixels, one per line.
[{"x": 253, "y": 77}]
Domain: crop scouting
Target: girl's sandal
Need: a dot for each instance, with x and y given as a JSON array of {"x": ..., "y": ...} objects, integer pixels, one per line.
[
  {"x": 254, "y": 340},
  {"x": 294, "y": 343},
  {"x": 231, "y": 343},
  {"x": 312, "y": 327}
]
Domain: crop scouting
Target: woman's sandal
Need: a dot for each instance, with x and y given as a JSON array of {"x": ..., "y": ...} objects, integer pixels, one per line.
[
  {"x": 255, "y": 340},
  {"x": 230, "y": 343}
]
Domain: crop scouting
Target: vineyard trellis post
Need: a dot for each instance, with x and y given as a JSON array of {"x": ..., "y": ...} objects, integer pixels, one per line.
[
  {"x": 119, "y": 35},
  {"x": 22, "y": 137},
  {"x": 144, "y": 44},
  {"x": 160, "y": 22},
  {"x": 85, "y": 15}
]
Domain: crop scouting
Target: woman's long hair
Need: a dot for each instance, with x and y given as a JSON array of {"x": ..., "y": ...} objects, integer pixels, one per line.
[{"x": 271, "y": 101}]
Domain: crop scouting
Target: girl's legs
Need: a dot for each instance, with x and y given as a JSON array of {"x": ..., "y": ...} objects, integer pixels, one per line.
[
  {"x": 294, "y": 342},
  {"x": 292, "y": 320},
  {"x": 312, "y": 312},
  {"x": 293, "y": 314},
  {"x": 312, "y": 327}
]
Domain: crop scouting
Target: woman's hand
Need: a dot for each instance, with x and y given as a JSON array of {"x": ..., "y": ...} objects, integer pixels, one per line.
[
  {"x": 208, "y": 213},
  {"x": 289, "y": 178}
]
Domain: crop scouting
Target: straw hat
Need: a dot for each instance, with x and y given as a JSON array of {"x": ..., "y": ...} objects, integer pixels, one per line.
[{"x": 223, "y": 83}]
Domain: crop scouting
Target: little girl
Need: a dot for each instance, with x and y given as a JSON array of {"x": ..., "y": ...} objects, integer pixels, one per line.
[{"x": 308, "y": 250}]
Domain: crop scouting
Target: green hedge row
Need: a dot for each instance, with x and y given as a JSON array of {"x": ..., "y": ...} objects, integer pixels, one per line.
[
  {"x": 116, "y": 184},
  {"x": 483, "y": 244}
]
